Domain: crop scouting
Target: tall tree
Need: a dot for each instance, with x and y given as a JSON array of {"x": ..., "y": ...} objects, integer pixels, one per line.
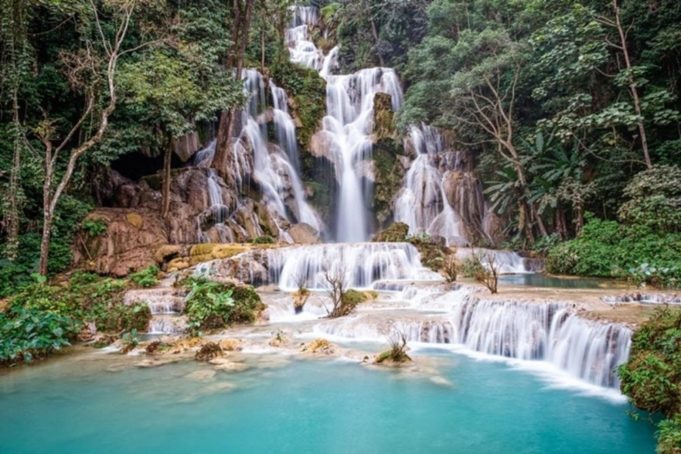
[
  {"x": 242, "y": 11},
  {"x": 14, "y": 56},
  {"x": 91, "y": 71}
]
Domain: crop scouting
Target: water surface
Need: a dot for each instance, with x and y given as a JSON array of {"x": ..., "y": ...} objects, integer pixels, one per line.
[{"x": 306, "y": 406}]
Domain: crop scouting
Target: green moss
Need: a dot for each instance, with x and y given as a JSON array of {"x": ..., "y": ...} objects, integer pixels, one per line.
[
  {"x": 389, "y": 175},
  {"x": 307, "y": 95}
]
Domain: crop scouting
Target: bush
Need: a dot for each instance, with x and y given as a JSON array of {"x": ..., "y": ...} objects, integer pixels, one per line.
[
  {"x": 125, "y": 318},
  {"x": 610, "y": 249},
  {"x": 27, "y": 333},
  {"x": 652, "y": 376},
  {"x": 265, "y": 239},
  {"x": 147, "y": 277},
  {"x": 654, "y": 199},
  {"x": 669, "y": 436},
  {"x": 214, "y": 305}
]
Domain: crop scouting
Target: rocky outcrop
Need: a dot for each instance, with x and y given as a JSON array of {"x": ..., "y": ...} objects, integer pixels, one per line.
[
  {"x": 383, "y": 117},
  {"x": 303, "y": 234},
  {"x": 128, "y": 243},
  {"x": 197, "y": 214}
]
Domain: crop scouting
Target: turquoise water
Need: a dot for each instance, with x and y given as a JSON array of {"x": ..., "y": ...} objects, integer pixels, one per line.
[
  {"x": 305, "y": 406},
  {"x": 544, "y": 280}
]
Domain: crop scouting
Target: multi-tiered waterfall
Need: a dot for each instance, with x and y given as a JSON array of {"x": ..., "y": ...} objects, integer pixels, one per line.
[
  {"x": 433, "y": 200},
  {"x": 274, "y": 167},
  {"x": 348, "y": 123}
]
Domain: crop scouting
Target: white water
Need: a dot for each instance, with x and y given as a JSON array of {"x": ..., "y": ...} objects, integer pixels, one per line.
[
  {"x": 347, "y": 125},
  {"x": 507, "y": 262},
  {"x": 588, "y": 350},
  {"x": 421, "y": 203},
  {"x": 362, "y": 264}
]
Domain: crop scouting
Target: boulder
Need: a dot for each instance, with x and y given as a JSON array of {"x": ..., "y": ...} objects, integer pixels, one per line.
[{"x": 303, "y": 234}]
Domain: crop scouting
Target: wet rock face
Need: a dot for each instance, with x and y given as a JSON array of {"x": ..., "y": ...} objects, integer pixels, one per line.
[
  {"x": 128, "y": 244},
  {"x": 194, "y": 216},
  {"x": 303, "y": 234}
]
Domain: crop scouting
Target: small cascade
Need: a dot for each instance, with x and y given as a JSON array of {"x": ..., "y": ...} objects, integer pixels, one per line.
[
  {"x": 362, "y": 264},
  {"x": 422, "y": 203},
  {"x": 272, "y": 169},
  {"x": 166, "y": 308},
  {"x": 588, "y": 350},
  {"x": 508, "y": 262}
]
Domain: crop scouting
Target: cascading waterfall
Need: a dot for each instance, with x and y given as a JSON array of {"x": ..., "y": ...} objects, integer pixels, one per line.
[
  {"x": 347, "y": 124},
  {"x": 588, "y": 350},
  {"x": 362, "y": 264},
  {"x": 422, "y": 203}
]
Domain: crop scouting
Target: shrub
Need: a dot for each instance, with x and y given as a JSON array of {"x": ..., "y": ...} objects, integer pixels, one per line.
[
  {"x": 610, "y": 249},
  {"x": 214, "y": 305},
  {"x": 398, "y": 350},
  {"x": 450, "y": 269},
  {"x": 654, "y": 199},
  {"x": 669, "y": 436},
  {"x": 265, "y": 239},
  {"x": 652, "y": 376},
  {"x": 94, "y": 227},
  {"x": 27, "y": 333},
  {"x": 147, "y": 277},
  {"x": 127, "y": 318}
]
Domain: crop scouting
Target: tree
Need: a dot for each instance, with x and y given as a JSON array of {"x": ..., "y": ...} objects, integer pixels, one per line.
[
  {"x": 180, "y": 84},
  {"x": 15, "y": 59},
  {"x": 630, "y": 73},
  {"x": 242, "y": 11},
  {"x": 91, "y": 71}
]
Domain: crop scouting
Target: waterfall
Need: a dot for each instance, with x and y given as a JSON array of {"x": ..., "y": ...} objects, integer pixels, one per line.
[
  {"x": 422, "y": 203},
  {"x": 507, "y": 262},
  {"x": 362, "y": 264},
  {"x": 347, "y": 124},
  {"x": 588, "y": 350},
  {"x": 273, "y": 169}
]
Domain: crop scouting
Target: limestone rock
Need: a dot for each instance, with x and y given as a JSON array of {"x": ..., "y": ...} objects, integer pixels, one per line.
[
  {"x": 127, "y": 245},
  {"x": 303, "y": 234}
]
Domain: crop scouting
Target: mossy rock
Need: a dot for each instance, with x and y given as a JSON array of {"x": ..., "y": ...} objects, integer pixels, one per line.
[
  {"x": 135, "y": 220},
  {"x": 396, "y": 233},
  {"x": 383, "y": 117}
]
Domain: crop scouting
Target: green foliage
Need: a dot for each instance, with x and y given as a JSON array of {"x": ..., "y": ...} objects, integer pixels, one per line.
[
  {"x": 669, "y": 435},
  {"x": 652, "y": 376},
  {"x": 147, "y": 277},
  {"x": 266, "y": 239},
  {"x": 395, "y": 233},
  {"x": 654, "y": 199},
  {"x": 27, "y": 333},
  {"x": 214, "y": 305},
  {"x": 610, "y": 249},
  {"x": 85, "y": 298},
  {"x": 307, "y": 93},
  {"x": 94, "y": 227}
]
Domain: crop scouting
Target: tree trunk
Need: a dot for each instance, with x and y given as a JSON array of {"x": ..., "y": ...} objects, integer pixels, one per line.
[
  {"x": 45, "y": 242},
  {"x": 236, "y": 58},
  {"x": 633, "y": 89},
  {"x": 13, "y": 212},
  {"x": 167, "y": 158}
]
